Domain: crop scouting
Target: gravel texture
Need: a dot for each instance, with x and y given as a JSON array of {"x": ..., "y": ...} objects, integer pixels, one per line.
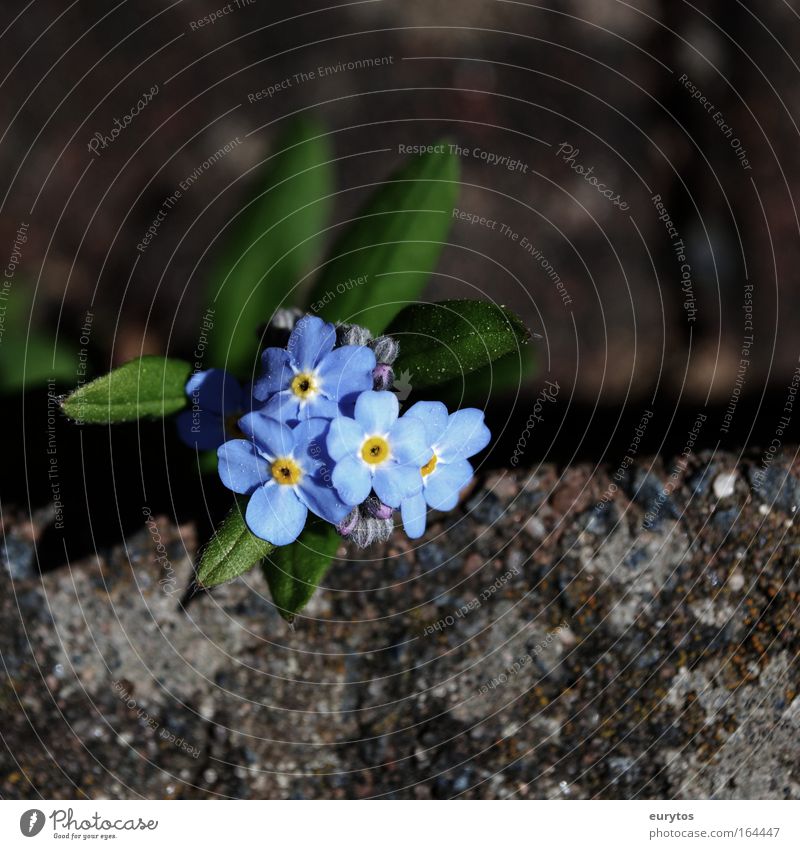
[{"x": 531, "y": 646}]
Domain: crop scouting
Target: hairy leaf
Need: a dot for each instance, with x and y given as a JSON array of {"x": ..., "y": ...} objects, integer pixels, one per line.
[
  {"x": 274, "y": 241},
  {"x": 149, "y": 386},
  {"x": 384, "y": 258},
  {"x": 445, "y": 341},
  {"x": 294, "y": 571},
  {"x": 231, "y": 551}
]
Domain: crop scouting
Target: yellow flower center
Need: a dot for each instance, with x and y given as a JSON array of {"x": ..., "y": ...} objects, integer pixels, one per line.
[
  {"x": 285, "y": 471},
  {"x": 375, "y": 450},
  {"x": 429, "y": 466},
  {"x": 304, "y": 385}
]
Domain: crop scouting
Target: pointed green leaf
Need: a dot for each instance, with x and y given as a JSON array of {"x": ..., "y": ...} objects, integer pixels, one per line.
[
  {"x": 231, "y": 551},
  {"x": 448, "y": 340},
  {"x": 274, "y": 240},
  {"x": 293, "y": 572},
  {"x": 147, "y": 386},
  {"x": 383, "y": 260}
]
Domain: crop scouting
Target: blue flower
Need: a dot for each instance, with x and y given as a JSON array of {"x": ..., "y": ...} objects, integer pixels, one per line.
[
  {"x": 310, "y": 379},
  {"x": 446, "y": 471},
  {"x": 286, "y": 472},
  {"x": 217, "y": 402},
  {"x": 376, "y": 450}
]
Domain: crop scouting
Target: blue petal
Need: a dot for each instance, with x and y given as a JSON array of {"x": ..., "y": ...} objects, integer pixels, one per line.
[
  {"x": 277, "y": 373},
  {"x": 319, "y": 407},
  {"x": 443, "y": 486},
  {"x": 465, "y": 435},
  {"x": 393, "y": 483},
  {"x": 311, "y": 340},
  {"x": 414, "y": 511},
  {"x": 216, "y": 391},
  {"x": 347, "y": 371},
  {"x": 318, "y": 494},
  {"x": 352, "y": 479},
  {"x": 377, "y": 411},
  {"x": 284, "y": 407},
  {"x": 276, "y": 514},
  {"x": 271, "y": 436},
  {"x": 408, "y": 443},
  {"x": 241, "y": 468},
  {"x": 310, "y": 441},
  {"x": 344, "y": 438},
  {"x": 201, "y": 430},
  {"x": 433, "y": 415}
]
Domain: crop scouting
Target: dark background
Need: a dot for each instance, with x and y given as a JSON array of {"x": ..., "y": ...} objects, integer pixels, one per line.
[{"x": 512, "y": 78}]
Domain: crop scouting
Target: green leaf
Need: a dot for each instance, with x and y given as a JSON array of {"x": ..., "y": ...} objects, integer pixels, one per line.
[
  {"x": 148, "y": 386},
  {"x": 293, "y": 572},
  {"x": 383, "y": 260},
  {"x": 231, "y": 551},
  {"x": 274, "y": 241},
  {"x": 448, "y": 340}
]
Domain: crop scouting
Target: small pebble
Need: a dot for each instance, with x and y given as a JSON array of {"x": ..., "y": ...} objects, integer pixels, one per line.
[
  {"x": 736, "y": 581},
  {"x": 725, "y": 484},
  {"x": 535, "y": 527}
]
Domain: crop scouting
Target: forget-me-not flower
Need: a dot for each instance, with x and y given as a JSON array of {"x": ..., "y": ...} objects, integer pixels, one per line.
[
  {"x": 453, "y": 438},
  {"x": 217, "y": 402},
  {"x": 285, "y": 471},
  {"x": 377, "y": 450},
  {"x": 309, "y": 378}
]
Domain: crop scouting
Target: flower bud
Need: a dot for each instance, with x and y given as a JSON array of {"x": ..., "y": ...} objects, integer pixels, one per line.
[
  {"x": 352, "y": 334},
  {"x": 386, "y": 349},
  {"x": 346, "y": 527},
  {"x": 276, "y": 333},
  {"x": 382, "y": 377},
  {"x": 369, "y": 531},
  {"x": 285, "y": 318},
  {"x": 376, "y": 508}
]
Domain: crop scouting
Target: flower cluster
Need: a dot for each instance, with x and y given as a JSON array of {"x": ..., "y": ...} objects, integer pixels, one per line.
[{"x": 321, "y": 430}]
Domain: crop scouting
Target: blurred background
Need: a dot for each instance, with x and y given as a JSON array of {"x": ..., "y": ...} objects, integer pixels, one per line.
[
  {"x": 628, "y": 182},
  {"x": 513, "y": 79}
]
